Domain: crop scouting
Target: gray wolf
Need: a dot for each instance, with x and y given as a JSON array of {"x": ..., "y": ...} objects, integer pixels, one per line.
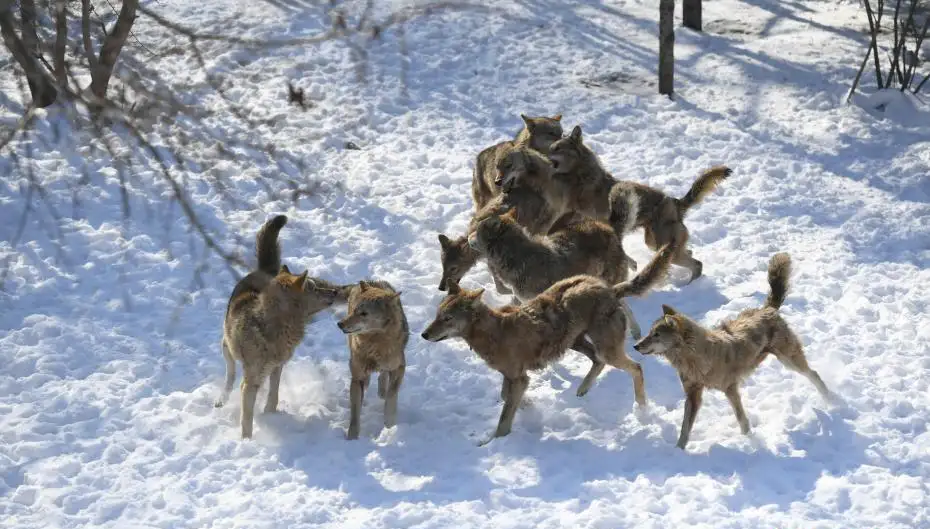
[
  {"x": 534, "y": 198},
  {"x": 265, "y": 320},
  {"x": 515, "y": 340},
  {"x": 377, "y": 331},
  {"x": 537, "y": 133},
  {"x": 721, "y": 358},
  {"x": 596, "y": 194},
  {"x": 530, "y": 264}
]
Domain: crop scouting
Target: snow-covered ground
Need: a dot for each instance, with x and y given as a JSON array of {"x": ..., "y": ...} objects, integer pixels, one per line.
[{"x": 109, "y": 367}]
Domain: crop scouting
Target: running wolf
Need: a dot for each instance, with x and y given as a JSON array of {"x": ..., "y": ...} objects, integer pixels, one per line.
[
  {"x": 265, "y": 320},
  {"x": 515, "y": 340},
  {"x": 377, "y": 330},
  {"x": 538, "y": 133},
  {"x": 596, "y": 194},
  {"x": 721, "y": 358},
  {"x": 530, "y": 264}
]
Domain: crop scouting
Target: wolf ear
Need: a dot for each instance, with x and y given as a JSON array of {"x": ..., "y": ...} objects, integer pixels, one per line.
[
  {"x": 284, "y": 270},
  {"x": 453, "y": 287},
  {"x": 526, "y": 120},
  {"x": 476, "y": 295},
  {"x": 363, "y": 285},
  {"x": 557, "y": 117},
  {"x": 301, "y": 280},
  {"x": 396, "y": 295},
  {"x": 444, "y": 241},
  {"x": 576, "y": 134},
  {"x": 668, "y": 311}
]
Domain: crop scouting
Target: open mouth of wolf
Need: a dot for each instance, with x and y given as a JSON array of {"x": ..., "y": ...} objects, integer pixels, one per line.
[{"x": 555, "y": 163}]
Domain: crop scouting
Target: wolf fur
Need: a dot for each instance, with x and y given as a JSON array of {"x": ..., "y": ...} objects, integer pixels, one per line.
[
  {"x": 596, "y": 194},
  {"x": 537, "y": 133},
  {"x": 377, "y": 332},
  {"x": 515, "y": 340},
  {"x": 530, "y": 264},
  {"x": 265, "y": 320},
  {"x": 721, "y": 358}
]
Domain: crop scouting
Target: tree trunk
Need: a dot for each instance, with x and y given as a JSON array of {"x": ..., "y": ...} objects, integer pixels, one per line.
[
  {"x": 666, "y": 47},
  {"x": 42, "y": 89},
  {"x": 691, "y": 14},
  {"x": 112, "y": 45},
  {"x": 61, "y": 42},
  {"x": 85, "y": 35}
]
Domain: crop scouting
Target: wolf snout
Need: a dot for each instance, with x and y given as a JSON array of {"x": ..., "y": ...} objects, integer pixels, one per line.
[
  {"x": 499, "y": 179},
  {"x": 442, "y": 285},
  {"x": 473, "y": 241},
  {"x": 424, "y": 335}
]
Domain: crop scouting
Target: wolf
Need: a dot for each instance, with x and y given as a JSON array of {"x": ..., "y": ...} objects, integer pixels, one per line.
[
  {"x": 537, "y": 202},
  {"x": 596, "y": 194},
  {"x": 265, "y": 320},
  {"x": 377, "y": 331},
  {"x": 515, "y": 340},
  {"x": 537, "y": 133},
  {"x": 721, "y": 358},
  {"x": 530, "y": 264}
]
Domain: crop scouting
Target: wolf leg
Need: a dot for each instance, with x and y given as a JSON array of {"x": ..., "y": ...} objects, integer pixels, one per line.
[
  {"x": 500, "y": 286},
  {"x": 693, "y": 398},
  {"x": 230, "y": 376},
  {"x": 589, "y": 379},
  {"x": 356, "y": 396},
  {"x": 249, "y": 390},
  {"x": 383, "y": 382},
  {"x": 632, "y": 324},
  {"x": 396, "y": 377},
  {"x": 274, "y": 385},
  {"x": 736, "y": 402},
  {"x": 517, "y": 389}
]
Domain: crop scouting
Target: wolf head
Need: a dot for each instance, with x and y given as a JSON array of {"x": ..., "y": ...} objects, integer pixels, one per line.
[
  {"x": 522, "y": 165},
  {"x": 455, "y": 313},
  {"x": 370, "y": 309},
  {"x": 491, "y": 229},
  {"x": 568, "y": 153},
  {"x": 303, "y": 293},
  {"x": 540, "y": 132},
  {"x": 666, "y": 334},
  {"x": 457, "y": 260}
]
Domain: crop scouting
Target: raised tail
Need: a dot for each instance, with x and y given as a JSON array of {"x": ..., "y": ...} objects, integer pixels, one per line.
[
  {"x": 266, "y": 245},
  {"x": 624, "y": 208},
  {"x": 779, "y": 270},
  {"x": 702, "y": 187},
  {"x": 650, "y": 275}
]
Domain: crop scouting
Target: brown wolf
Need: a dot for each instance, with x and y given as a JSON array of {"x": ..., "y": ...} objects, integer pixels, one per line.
[
  {"x": 377, "y": 330},
  {"x": 536, "y": 200},
  {"x": 265, "y": 320},
  {"x": 530, "y": 264},
  {"x": 537, "y": 133},
  {"x": 596, "y": 194},
  {"x": 723, "y": 357},
  {"x": 516, "y": 340}
]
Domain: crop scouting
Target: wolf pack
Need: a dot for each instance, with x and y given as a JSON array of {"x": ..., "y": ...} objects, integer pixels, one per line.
[{"x": 549, "y": 222}]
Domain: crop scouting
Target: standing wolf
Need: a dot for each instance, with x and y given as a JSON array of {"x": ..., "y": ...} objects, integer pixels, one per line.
[
  {"x": 596, "y": 194},
  {"x": 723, "y": 357},
  {"x": 265, "y": 320},
  {"x": 377, "y": 330},
  {"x": 537, "y": 133},
  {"x": 515, "y": 340},
  {"x": 530, "y": 264},
  {"x": 541, "y": 207}
]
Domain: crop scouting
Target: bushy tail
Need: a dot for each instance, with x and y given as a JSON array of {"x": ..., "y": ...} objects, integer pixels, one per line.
[
  {"x": 624, "y": 208},
  {"x": 266, "y": 245},
  {"x": 779, "y": 270},
  {"x": 701, "y": 187},
  {"x": 650, "y": 275}
]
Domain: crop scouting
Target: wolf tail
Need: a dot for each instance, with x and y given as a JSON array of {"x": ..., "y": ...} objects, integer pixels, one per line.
[
  {"x": 624, "y": 208},
  {"x": 702, "y": 187},
  {"x": 779, "y": 270},
  {"x": 266, "y": 245},
  {"x": 650, "y": 275}
]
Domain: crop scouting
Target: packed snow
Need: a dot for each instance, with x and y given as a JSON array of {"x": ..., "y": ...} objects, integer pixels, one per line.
[{"x": 111, "y": 358}]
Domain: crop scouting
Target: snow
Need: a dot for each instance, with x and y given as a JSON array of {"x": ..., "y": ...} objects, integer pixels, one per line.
[{"x": 111, "y": 359}]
